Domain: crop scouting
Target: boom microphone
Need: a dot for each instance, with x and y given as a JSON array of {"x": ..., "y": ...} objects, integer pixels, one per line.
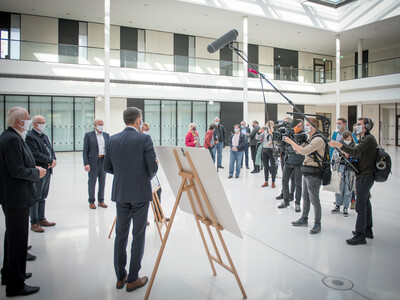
[{"x": 223, "y": 41}]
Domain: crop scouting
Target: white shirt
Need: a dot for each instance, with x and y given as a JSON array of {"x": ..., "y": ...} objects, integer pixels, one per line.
[
  {"x": 20, "y": 133},
  {"x": 101, "y": 143}
]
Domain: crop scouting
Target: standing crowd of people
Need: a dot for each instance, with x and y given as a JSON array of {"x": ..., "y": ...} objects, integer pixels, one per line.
[{"x": 27, "y": 160}]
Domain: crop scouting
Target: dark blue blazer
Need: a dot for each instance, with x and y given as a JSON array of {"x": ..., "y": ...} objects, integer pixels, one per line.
[
  {"x": 242, "y": 142},
  {"x": 131, "y": 158},
  {"x": 91, "y": 148},
  {"x": 17, "y": 171},
  {"x": 38, "y": 144}
]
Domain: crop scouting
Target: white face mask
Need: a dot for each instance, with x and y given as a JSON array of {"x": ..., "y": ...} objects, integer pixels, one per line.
[
  {"x": 236, "y": 130},
  {"x": 27, "y": 124},
  {"x": 307, "y": 129},
  {"x": 146, "y": 132},
  {"x": 359, "y": 129},
  {"x": 339, "y": 127},
  {"x": 41, "y": 127},
  {"x": 100, "y": 128},
  {"x": 347, "y": 142},
  {"x": 141, "y": 125}
]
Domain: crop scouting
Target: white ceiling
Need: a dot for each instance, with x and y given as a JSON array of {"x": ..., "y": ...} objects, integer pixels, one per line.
[{"x": 207, "y": 21}]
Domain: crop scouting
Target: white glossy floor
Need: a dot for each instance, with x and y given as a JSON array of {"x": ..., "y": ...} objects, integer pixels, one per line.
[{"x": 274, "y": 260}]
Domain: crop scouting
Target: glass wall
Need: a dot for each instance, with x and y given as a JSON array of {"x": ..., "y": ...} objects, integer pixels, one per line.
[
  {"x": 200, "y": 119},
  {"x": 67, "y": 118},
  {"x": 63, "y": 123},
  {"x": 184, "y": 119},
  {"x": 152, "y": 116},
  {"x": 168, "y": 121},
  {"x": 84, "y": 116}
]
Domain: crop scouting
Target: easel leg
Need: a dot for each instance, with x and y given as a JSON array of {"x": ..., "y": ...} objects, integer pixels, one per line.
[
  {"x": 112, "y": 228},
  {"x": 231, "y": 263},
  {"x": 164, "y": 241}
]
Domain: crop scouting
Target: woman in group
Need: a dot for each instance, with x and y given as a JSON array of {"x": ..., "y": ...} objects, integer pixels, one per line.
[
  {"x": 265, "y": 135},
  {"x": 237, "y": 142},
  {"x": 209, "y": 141},
  {"x": 192, "y": 137}
]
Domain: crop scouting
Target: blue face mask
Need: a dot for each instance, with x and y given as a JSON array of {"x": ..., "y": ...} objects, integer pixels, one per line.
[
  {"x": 242, "y": 126},
  {"x": 216, "y": 123}
]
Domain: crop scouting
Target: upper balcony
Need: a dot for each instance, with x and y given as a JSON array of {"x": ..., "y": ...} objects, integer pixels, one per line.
[{"x": 71, "y": 54}]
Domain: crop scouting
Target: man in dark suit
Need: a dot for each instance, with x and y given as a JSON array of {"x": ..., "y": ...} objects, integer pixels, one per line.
[
  {"x": 18, "y": 174},
  {"x": 253, "y": 145},
  {"x": 45, "y": 157},
  {"x": 94, "y": 147},
  {"x": 131, "y": 158}
]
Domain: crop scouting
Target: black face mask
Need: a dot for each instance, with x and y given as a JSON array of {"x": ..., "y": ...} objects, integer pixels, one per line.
[{"x": 194, "y": 128}]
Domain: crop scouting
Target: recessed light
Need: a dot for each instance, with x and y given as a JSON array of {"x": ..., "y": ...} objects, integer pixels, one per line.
[
  {"x": 298, "y": 31},
  {"x": 68, "y": 14},
  {"x": 33, "y": 9},
  {"x": 130, "y": 22},
  {"x": 256, "y": 24},
  {"x": 145, "y": 5}
]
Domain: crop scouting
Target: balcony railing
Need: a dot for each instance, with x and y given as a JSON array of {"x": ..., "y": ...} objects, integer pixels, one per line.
[{"x": 73, "y": 54}]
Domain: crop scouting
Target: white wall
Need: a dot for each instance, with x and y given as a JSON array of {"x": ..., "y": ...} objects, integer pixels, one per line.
[
  {"x": 117, "y": 106},
  {"x": 372, "y": 111},
  {"x": 256, "y": 112},
  {"x": 161, "y": 43},
  {"x": 96, "y": 44},
  {"x": 306, "y": 65}
]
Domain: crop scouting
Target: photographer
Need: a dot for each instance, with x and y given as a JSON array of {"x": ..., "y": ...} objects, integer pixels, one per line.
[
  {"x": 312, "y": 173},
  {"x": 366, "y": 152},
  {"x": 265, "y": 134},
  {"x": 292, "y": 163}
]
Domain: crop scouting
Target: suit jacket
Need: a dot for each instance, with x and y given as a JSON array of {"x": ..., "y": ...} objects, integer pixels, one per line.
[
  {"x": 17, "y": 171},
  {"x": 252, "y": 136},
  {"x": 91, "y": 148},
  {"x": 131, "y": 158},
  {"x": 38, "y": 144}
]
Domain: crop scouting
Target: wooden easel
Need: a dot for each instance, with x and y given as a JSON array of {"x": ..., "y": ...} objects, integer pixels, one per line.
[
  {"x": 189, "y": 182},
  {"x": 158, "y": 214}
]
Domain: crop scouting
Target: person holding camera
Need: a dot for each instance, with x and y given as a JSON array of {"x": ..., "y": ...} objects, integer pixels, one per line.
[
  {"x": 366, "y": 152},
  {"x": 253, "y": 146},
  {"x": 291, "y": 169},
  {"x": 313, "y": 150},
  {"x": 265, "y": 134}
]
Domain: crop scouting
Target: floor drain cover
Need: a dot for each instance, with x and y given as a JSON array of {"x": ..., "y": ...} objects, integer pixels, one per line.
[{"x": 338, "y": 283}]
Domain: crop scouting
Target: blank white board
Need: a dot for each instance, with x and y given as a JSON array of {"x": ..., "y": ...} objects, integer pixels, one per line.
[{"x": 209, "y": 178}]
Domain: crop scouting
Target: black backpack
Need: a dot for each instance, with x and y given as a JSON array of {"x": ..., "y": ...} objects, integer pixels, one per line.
[
  {"x": 323, "y": 163},
  {"x": 382, "y": 166}
]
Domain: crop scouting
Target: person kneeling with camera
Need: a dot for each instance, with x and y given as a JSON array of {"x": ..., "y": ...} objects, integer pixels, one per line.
[{"x": 313, "y": 150}]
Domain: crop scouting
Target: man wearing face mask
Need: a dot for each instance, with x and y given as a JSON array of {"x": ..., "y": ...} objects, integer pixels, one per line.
[
  {"x": 366, "y": 152},
  {"x": 45, "y": 157},
  {"x": 246, "y": 131},
  {"x": 219, "y": 140},
  {"x": 341, "y": 125},
  {"x": 253, "y": 145},
  {"x": 18, "y": 174},
  {"x": 312, "y": 150},
  {"x": 94, "y": 147},
  {"x": 131, "y": 158}
]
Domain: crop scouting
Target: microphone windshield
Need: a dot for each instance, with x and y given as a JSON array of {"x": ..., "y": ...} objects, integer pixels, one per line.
[{"x": 223, "y": 41}]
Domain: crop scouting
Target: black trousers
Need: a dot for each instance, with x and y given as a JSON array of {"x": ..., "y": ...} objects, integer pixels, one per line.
[
  {"x": 292, "y": 172},
  {"x": 15, "y": 247},
  {"x": 267, "y": 156},
  {"x": 94, "y": 174},
  {"x": 128, "y": 213},
  {"x": 253, "y": 156},
  {"x": 363, "y": 205}
]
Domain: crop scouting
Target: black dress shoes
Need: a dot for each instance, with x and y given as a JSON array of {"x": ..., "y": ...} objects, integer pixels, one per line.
[
  {"x": 280, "y": 197},
  {"x": 25, "y": 291},
  {"x": 30, "y": 257},
  {"x": 356, "y": 240},
  {"x": 29, "y": 247}
]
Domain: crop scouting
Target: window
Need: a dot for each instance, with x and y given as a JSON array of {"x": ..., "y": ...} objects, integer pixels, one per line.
[
  {"x": 168, "y": 122},
  {"x": 4, "y": 46},
  {"x": 63, "y": 123},
  {"x": 184, "y": 119},
  {"x": 41, "y": 105},
  {"x": 200, "y": 119},
  {"x": 84, "y": 116},
  {"x": 2, "y": 114},
  {"x": 153, "y": 117}
]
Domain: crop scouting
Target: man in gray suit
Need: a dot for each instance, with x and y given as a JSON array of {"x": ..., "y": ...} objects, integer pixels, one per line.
[
  {"x": 131, "y": 158},
  {"x": 94, "y": 147}
]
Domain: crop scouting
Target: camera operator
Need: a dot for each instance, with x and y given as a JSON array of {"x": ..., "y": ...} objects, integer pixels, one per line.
[
  {"x": 253, "y": 146},
  {"x": 366, "y": 152},
  {"x": 312, "y": 173},
  {"x": 292, "y": 163},
  {"x": 282, "y": 150}
]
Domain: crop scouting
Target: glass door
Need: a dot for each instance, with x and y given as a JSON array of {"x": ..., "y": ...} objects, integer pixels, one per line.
[
  {"x": 63, "y": 123},
  {"x": 168, "y": 121},
  {"x": 184, "y": 119}
]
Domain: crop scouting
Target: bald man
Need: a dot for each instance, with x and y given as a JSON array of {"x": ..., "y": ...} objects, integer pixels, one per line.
[
  {"x": 94, "y": 149},
  {"x": 45, "y": 157}
]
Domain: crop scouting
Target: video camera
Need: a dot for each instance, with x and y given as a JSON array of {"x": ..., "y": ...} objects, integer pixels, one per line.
[{"x": 285, "y": 128}]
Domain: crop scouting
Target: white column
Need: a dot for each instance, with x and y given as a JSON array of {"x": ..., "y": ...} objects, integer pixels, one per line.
[
  {"x": 245, "y": 49},
  {"x": 337, "y": 76},
  {"x": 107, "y": 64},
  {"x": 359, "y": 66},
  {"x": 359, "y": 111}
]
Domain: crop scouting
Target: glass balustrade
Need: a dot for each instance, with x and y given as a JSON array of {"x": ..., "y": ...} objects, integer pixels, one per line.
[{"x": 74, "y": 54}]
